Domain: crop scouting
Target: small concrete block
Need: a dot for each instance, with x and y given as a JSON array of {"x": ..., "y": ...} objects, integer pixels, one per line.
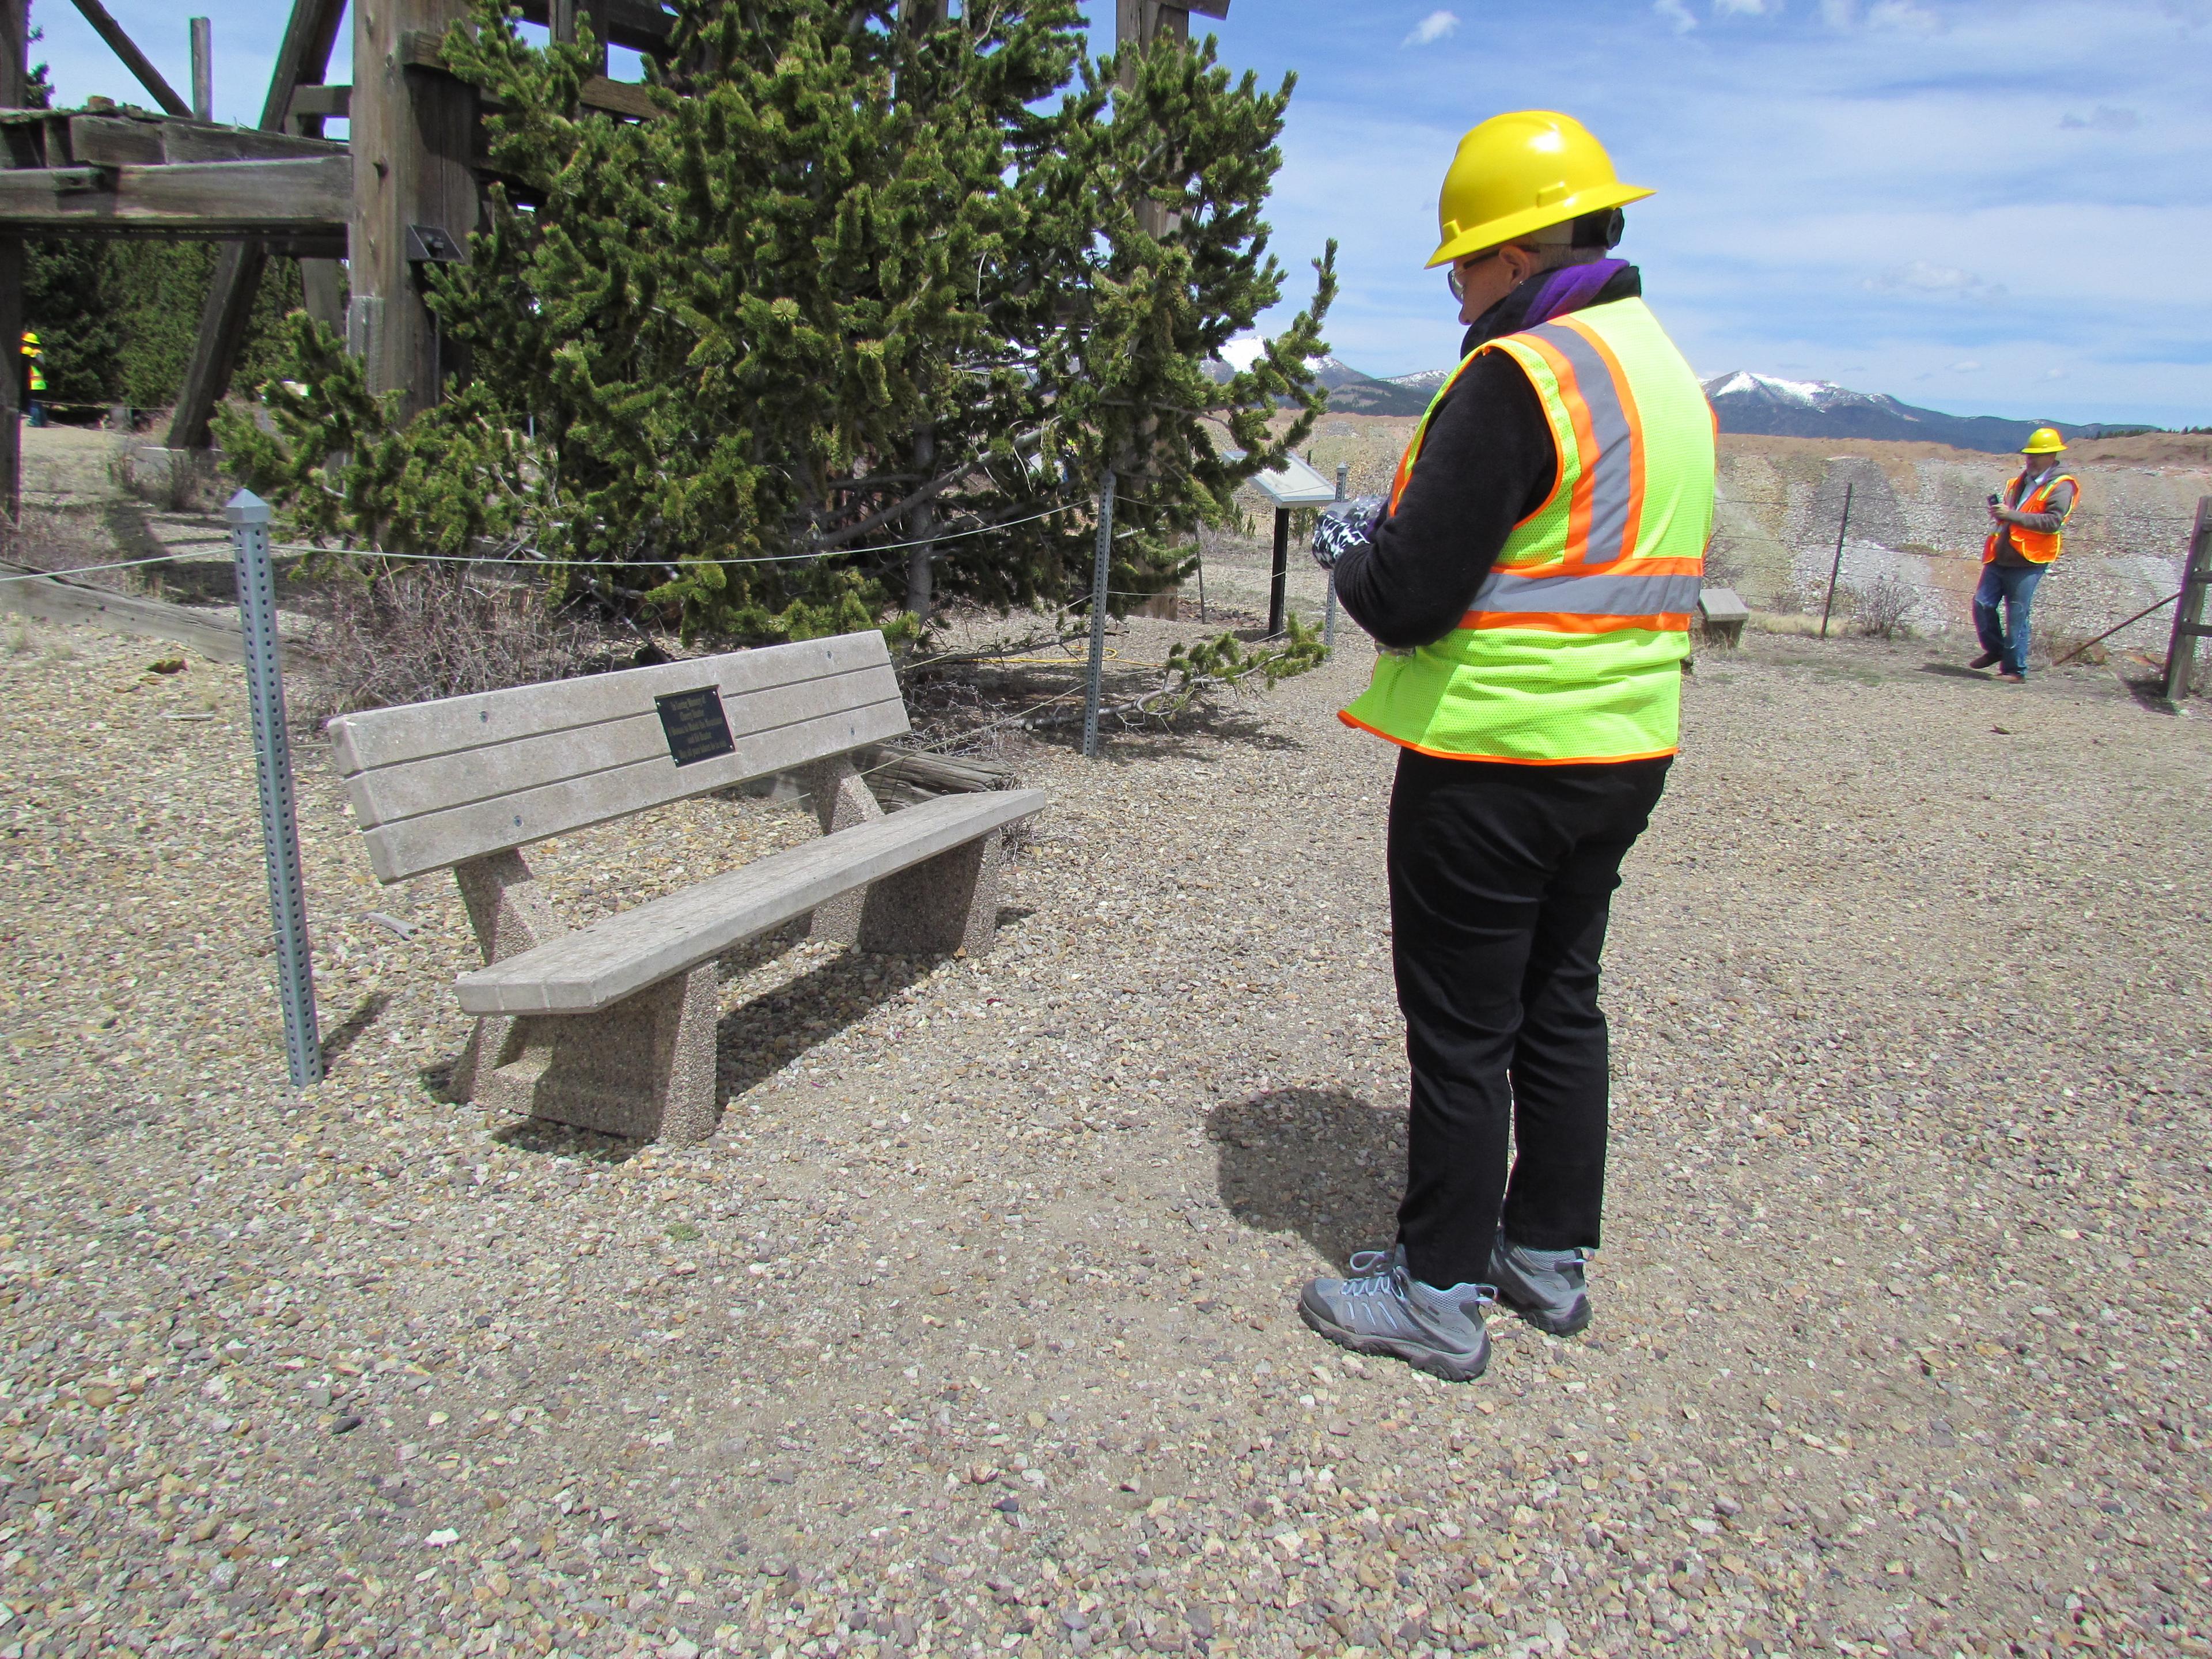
[{"x": 1722, "y": 605}]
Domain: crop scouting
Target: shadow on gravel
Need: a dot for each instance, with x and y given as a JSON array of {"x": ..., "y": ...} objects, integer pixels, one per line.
[
  {"x": 1319, "y": 1162},
  {"x": 342, "y": 1036},
  {"x": 762, "y": 1033},
  {"x": 1952, "y": 670}
]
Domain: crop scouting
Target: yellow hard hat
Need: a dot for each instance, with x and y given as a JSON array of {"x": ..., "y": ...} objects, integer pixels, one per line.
[
  {"x": 2044, "y": 440},
  {"x": 1518, "y": 174}
]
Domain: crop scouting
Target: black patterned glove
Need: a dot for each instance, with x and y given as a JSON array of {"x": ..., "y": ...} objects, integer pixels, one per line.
[{"x": 1343, "y": 526}]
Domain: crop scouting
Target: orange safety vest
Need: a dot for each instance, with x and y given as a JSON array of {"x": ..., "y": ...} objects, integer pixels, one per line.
[{"x": 2040, "y": 547}]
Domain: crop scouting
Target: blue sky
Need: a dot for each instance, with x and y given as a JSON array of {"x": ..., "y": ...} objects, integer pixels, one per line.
[
  {"x": 1981, "y": 206},
  {"x": 1985, "y": 208}
]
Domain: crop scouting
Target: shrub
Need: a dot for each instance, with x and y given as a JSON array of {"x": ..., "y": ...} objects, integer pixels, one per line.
[
  {"x": 1883, "y": 604},
  {"x": 420, "y": 635}
]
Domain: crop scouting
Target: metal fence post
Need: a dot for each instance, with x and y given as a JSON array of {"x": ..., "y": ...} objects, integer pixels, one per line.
[
  {"x": 248, "y": 517},
  {"x": 2189, "y": 615},
  {"x": 1328, "y": 616},
  {"x": 1098, "y": 671},
  {"x": 1836, "y": 570}
]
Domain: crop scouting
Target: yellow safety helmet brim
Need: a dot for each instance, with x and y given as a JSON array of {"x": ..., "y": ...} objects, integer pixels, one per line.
[
  {"x": 1519, "y": 173},
  {"x": 2044, "y": 440}
]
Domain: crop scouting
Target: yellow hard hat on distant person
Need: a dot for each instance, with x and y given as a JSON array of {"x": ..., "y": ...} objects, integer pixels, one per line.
[
  {"x": 2044, "y": 440},
  {"x": 1522, "y": 172}
]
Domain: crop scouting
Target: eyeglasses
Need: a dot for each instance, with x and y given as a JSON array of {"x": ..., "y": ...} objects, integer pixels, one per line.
[{"x": 1455, "y": 278}]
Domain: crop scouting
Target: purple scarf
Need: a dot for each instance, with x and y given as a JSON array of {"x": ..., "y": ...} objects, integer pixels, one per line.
[{"x": 1569, "y": 289}]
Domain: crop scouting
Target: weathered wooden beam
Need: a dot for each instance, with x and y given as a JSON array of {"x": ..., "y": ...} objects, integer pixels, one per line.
[
  {"x": 116, "y": 141},
  {"x": 204, "y": 199},
  {"x": 640, "y": 25},
  {"x": 321, "y": 103},
  {"x": 303, "y": 55},
  {"x": 423, "y": 50},
  {"x": 133, "y": 59}
]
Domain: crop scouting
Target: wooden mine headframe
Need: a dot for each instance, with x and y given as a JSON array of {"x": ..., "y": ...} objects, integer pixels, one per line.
[{"x": 404, "y": 189}]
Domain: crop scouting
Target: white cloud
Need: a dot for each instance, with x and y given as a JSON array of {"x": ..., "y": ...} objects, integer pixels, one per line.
[
  {"x": 1969, "y": 366},
  {"x": 1902, "y": 15},
  {"x": 1431, "y": 29},
  {"x": 1946, "y": 282},
  {"x": 2106, "y": 117},
  {"x": 1745, "y": 7},
  {"x": 1677, "y": 13}
]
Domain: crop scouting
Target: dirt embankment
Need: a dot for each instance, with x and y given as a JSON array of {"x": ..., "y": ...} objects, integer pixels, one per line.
[{"x": 1917, "y": 517}]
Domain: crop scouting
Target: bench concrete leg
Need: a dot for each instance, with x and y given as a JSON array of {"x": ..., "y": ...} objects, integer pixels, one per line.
[
  {"x": 644, "y": 1068},
  {"x": 841, "y": 799},
  {"x": 948, "y": 903},
  {"x": 510, "y": 916}
]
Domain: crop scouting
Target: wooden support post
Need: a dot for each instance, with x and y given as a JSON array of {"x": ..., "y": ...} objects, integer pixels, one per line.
[
  {"x": 203, "y": 69},
  {"x": 414, "y": 131},
  {"x": 14, "y": 76},
  {"x": 302, "y": 58},
  {"x": 2189, "y": 614}
]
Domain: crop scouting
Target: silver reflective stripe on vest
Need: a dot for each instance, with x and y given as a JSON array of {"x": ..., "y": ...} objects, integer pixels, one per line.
[
  {"x": 1610, "y": 472},
  {"x": 1598, "y": 595}
]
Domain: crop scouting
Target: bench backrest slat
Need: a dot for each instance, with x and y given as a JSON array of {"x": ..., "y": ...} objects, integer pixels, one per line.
[{"x": 435, "y": 784}]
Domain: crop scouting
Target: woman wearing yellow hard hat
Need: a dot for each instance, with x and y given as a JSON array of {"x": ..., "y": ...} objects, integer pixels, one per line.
[
  {"x": 2025, "y": 537},
  {"x": 1531, "y": 579}
]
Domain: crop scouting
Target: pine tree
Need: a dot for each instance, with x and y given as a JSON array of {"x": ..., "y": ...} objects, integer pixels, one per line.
[{"x": 873, "y": 278}]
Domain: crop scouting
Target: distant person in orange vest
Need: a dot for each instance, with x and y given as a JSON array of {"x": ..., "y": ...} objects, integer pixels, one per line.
[
  {"x": 2028, "y": 520},
  {"x": 34, "y": 379}
]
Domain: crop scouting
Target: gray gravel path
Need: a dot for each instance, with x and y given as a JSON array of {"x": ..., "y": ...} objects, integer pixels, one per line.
[{"x": 970, "y": 1333}]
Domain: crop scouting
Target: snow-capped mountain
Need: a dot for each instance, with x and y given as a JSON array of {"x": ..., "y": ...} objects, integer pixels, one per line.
[
  {"x": 1769, "y": 406},
  {"x": 1426, "y": 382}
]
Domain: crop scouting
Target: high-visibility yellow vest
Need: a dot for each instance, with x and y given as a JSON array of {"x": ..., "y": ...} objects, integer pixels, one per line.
[
  {"x": 2041, "y": 546},
  {"x": 1572, "y": 647}
]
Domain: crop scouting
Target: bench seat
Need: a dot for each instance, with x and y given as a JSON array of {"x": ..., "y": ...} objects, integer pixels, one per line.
[{"x": 596, "y": 967}]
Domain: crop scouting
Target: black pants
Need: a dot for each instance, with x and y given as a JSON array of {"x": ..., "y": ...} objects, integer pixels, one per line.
[{"x": 1500, "y": 879}]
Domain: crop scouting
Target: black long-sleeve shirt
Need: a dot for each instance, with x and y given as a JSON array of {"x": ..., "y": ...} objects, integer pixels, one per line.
[{"x": 1488, "y": 461}]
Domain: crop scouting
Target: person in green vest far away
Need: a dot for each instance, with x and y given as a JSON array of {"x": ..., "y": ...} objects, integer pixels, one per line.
[
  {"x": 1530, "y": 580},
  {"x": 2026, "y": 538},
  {"x": 34, "y": 379}
]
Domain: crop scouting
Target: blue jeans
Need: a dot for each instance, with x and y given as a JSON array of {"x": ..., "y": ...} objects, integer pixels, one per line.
[{"x": 2012, "y": 586}]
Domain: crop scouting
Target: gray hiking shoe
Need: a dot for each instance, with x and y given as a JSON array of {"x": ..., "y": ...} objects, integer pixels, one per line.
[
  {"x": 1383, "y": 1310},
  {"x": 1544, "y": 1287}
]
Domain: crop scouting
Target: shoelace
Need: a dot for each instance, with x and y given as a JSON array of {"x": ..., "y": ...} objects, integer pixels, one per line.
[{"x": 1373, "y": 1270}]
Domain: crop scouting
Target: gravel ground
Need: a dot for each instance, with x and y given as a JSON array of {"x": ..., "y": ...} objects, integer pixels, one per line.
[{"x": 971, "y": 1331}]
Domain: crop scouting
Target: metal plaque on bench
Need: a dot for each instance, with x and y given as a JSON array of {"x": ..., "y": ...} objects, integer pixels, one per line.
[{"x": 697, "y": 729}]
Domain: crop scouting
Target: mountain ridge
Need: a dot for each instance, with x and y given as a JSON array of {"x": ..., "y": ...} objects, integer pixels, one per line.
[{"x": 1748, "y": 403}]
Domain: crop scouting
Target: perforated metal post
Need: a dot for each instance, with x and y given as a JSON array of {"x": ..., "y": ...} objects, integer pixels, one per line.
[
  {"x": 1097, "y": 672},
  {"x": 1328, "y": 616},
  {"x": 248, "y": 517}
]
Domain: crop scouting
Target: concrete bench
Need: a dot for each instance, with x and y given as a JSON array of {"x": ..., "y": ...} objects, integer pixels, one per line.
[
  {"x": 1723, "y": 615},
  {"x": 611, "y": 1027}
]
